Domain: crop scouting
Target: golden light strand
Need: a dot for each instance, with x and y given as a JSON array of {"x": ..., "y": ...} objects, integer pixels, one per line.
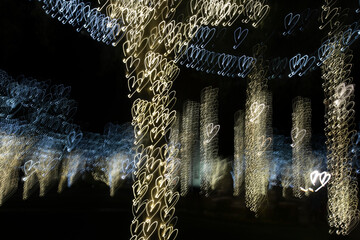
[
  {"x": 150, "y": 72},
  {"x": 13, "y": 149},
  {"x": 258, "y": 136},
  {"x": 339, "y": 128},
  {"x": 209, "y": 129},
  {"x": 71, "y": 168},
  {"x": 43, "y": 164},
  {"x": 239, "y": 151},
  {"x": 172, "y": 174},
  {"x": 227, "y": 12},
  {"x": 189, "y": 135},
  {"x": 301, "y": 146},
  {"x": 339, "y": 118}
]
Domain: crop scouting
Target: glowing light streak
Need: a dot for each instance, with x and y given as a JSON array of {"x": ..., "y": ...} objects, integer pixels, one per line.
[
  {"x": 211, "y": 131},
  {"x": 297, "y": 136},
  {"x": 208, "y": 138},
  {"x": 13, "y": 149},
  {"x": 73, "y": 139},
  {"x": 227, "y": 12},
  {"x": 290, "y": 22},
  {"x": 339, "y": 116},
  {"x": 43, "y": 164},
  {"x": 216, "y": 63},
  {"x": 219, "y": 170},
  {"x": 172, "y": 174},
  {"x": 203, "y": 36},
  {"x": 315, "y": 176},
  {"x": 156, "y": 162},
  {"x": 286, "y": 179},
  {"x": 297, "y": 22},
  {"x": 147, "y": 114},
  {"x": 239, "y": 36},
  {"x": 331, "y": 16},
  {"x": 162, "y": 190},
  {"x": 239, "y": 151},
  {"x": 255, "y": 110},
  {"x": 77, "y": 13},
  {"x": 189, "y": 134},
  {"x": 325, "y": 51},
  {"x": 350, "y": 35},
  {"x": 43, "y": 141},
  {"x": 258, "y": 139},
  {"x": 73, "y": 166},
  {"x": 301, "y": 146},
  {"x": 255, "y": 11},
  {"x": 114, "y": 170},
  {"x": 215, "y": 12},
  {"x": 300, "y": 65}
]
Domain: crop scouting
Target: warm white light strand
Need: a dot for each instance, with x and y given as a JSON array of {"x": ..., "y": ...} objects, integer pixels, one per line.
[
  {"x": 301, "y": 146},
  {"x": 258, "y": 136},
  {"x": 189, "y": 136},
  {"x": 339, "y": 117},
  {"x": 239, "y": 151},
  {"x": 208, "y": 137}
]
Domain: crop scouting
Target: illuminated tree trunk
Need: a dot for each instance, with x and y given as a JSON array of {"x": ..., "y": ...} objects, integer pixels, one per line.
[
  {"x": 258, "y": 138},
  {"x": 189, "y": 135},
  {"x": 301, "y": 146},
  {"x": 209, "y": 129},
  {"x": 239, "y": 151},
  {"x": 339, "y": 121}
]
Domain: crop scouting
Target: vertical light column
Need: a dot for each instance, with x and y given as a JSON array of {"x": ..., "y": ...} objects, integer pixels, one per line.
[
  {"x": 71, "y": 168},
  {"x": 173, "y": 164},
  {"x": 339, "y": 120},
  {"x": 13, "y": 149},
  {"x": 209, "y": 129},
  {"x": 154, "y": 188},
  {"x": 153, "y": 44},
  {"x": 286, "y": 178},
  {"x": 258, "y": 138},
  {"x": 301, "y": 145},
  {"x": 239, "y": 151},
  {"x": 43, "y": 164},
  {"x": 189, "y": 135}
]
